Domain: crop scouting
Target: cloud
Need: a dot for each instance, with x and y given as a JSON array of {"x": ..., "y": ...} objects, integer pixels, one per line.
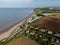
[
  {"x": 14, "y": 3},
  {"x": 29, "y": 3}
]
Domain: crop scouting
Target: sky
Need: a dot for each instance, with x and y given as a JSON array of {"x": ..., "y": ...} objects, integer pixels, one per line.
[{"x": 29, "y": 3}]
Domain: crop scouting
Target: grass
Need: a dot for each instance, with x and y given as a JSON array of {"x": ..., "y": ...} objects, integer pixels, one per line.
[
  {"x": 13, "y": 31},
  {"x": 56, "y": 14}
]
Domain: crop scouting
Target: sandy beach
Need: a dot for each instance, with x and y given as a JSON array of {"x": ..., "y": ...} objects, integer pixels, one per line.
[{"x": 12, "y": 27}]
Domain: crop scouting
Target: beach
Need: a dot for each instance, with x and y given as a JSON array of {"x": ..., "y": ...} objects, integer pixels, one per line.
[{"x": 9, "y": 29}]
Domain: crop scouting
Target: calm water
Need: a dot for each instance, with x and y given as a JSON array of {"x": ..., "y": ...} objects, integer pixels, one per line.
[{"x": 9, "y": 16}]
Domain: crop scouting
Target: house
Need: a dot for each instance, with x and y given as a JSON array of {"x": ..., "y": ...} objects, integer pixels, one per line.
[{"x": 46, "y": 14}]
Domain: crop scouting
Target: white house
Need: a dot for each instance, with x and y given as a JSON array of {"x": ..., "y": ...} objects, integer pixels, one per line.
[{"x": 46, "y": 14}]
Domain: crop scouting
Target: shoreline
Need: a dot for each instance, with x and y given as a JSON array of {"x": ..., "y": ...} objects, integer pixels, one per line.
[
  {"x": 6, "y": 32},
  {"x": 12, "y": 25}
]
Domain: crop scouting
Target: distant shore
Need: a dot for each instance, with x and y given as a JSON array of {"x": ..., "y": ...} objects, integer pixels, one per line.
[{"x": 6, "y": 32}]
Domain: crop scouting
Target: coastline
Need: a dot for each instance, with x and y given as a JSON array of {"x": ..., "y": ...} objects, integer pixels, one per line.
[{"x": 9, "y": 29}]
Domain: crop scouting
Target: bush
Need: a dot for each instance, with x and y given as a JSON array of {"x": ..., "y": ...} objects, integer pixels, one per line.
[{"x": 40, "y": 15}]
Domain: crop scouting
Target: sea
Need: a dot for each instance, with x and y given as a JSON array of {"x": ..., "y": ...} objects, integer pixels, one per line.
[{"x": 9, "y": 16}]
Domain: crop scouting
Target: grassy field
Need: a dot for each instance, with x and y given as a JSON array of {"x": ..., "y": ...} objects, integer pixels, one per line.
[{"x": 56, "y": 14}]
